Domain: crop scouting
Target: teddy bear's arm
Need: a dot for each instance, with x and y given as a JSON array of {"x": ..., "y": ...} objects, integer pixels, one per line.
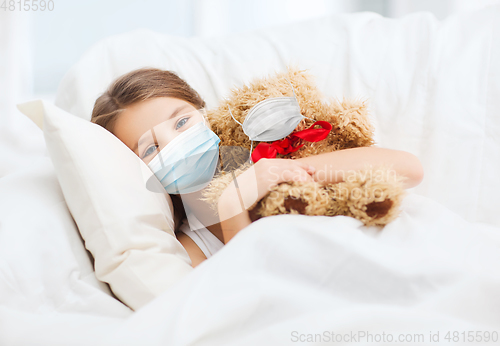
[{"x": 335, "y": 166}]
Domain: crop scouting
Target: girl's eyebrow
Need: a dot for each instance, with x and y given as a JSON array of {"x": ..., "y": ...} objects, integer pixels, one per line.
[
  {"x": 174, "y": 113},
  {"x": 177, "y": 110}
]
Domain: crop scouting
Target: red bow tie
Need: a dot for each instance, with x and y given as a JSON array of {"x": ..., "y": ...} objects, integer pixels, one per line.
[{"x": 287, "y": 145}]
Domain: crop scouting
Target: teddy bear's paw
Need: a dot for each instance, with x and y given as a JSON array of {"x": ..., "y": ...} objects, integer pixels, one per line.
[
  {"x": 377, "y": 213},
  {"x": 295, "y": 205},
  {"x": 373, "y": 196},
  {"x": 378, "y": 210},
  {"x": 306, "y": 198}
]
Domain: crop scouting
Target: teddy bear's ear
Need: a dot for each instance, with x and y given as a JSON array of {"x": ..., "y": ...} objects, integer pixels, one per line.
[{"x": 233, "y": 157}]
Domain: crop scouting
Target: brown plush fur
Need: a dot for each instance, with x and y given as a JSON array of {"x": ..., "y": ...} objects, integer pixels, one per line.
[{"x": 372, "y": 195}]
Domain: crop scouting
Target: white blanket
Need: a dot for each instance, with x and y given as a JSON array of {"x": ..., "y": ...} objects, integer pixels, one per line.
[
  {"x": 433, "y": 88},
  {"x": 428, "y": 271},
  {"x": 285, "y": 277}
]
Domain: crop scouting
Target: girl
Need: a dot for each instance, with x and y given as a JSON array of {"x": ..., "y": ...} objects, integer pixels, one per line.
[{"x": 146, "y": 98}]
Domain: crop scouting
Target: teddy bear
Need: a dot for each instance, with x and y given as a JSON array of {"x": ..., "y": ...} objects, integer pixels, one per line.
[{"x": 372, "y": 195}]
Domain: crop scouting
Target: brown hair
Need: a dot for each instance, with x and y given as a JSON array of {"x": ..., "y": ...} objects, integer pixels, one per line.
[{"x": 141, "y": 85}]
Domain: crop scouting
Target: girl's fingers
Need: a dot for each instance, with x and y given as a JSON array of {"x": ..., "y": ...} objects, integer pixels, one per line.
[
  {"x": 308, "y": 168},
  {"x": 281, "y": 170},
  {"x": 297, "y": 174},
  {"x": 307, "y": 176},
  {"x": 288, "y": 164}
]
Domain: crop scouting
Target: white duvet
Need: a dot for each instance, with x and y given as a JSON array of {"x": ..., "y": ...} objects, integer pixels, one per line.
[{"x": 434, "y": 90}]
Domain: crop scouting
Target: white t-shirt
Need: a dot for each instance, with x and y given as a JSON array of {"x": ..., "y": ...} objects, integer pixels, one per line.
[{"x": 208, "y": 243}]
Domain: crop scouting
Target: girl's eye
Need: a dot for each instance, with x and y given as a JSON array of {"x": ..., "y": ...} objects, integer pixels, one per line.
[
  {"x": 150, "y": 150},
  {"x": 181, "y": 123}
]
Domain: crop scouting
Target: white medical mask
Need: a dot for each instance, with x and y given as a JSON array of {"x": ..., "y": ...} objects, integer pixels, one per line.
[
  {"x": 272, "y": 119},
  {"x": 188, "y": 162}
]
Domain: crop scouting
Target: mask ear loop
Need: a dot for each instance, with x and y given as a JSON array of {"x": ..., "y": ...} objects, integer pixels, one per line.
[
  {"x": 295, "y": 96},
  {"x": 203, "y": 112},
  {"x": 293, "y": 90},
  {"x": 250, "y": 155},
  {"x": 251, "y": 142},
  {"x": 204, "y": 116},
  {"x": 157, "y": 149},
  {"x": 233, "y": 116}
]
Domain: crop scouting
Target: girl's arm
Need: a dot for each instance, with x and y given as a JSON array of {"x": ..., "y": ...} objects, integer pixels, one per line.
[
  {"x": 333, "y": 167},
  {"x": 195, "y": 254},
  {"x": 253, "y": 184}
]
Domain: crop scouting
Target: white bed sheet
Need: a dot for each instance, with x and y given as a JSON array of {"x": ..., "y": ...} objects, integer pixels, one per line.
[
  {"x": 434, "y": 91},
  {"x": 428, "y": 271}
]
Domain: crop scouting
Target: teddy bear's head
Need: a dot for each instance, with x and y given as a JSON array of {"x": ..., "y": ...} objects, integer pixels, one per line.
[{"x": 349, "y": 120}]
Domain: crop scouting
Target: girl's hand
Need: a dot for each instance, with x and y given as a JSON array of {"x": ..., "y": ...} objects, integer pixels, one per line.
[
  {"x": 268, "y": 173},
  {"x": 251, "y": 186},
  {"x": 333, "y": 167}
]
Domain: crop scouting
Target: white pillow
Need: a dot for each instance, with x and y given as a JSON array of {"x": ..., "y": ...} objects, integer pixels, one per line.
[{"x": 127, "y": 228}]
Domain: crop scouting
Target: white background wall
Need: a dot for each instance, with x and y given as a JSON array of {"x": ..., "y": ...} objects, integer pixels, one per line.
[
  {"x": 56, "y": 39},
  {"x": 37, "y": 48}
]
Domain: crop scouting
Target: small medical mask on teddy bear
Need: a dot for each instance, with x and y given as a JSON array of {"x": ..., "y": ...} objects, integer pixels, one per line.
[{"x": 272, "y": 119}]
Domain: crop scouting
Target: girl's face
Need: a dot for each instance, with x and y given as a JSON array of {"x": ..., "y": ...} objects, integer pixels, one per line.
[{"x": 148, "y": 126}]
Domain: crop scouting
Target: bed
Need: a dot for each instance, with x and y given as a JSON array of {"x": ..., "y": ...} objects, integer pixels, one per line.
[{"x": 432, "y": 275}]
